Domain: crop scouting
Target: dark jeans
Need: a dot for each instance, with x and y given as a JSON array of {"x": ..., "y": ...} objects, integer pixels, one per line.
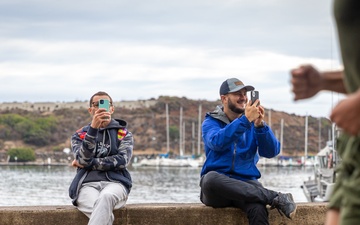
[{"x": 218, "y": 190}]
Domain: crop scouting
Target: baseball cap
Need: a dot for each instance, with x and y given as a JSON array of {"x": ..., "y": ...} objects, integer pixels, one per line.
[{"x": 233, "y": 85}]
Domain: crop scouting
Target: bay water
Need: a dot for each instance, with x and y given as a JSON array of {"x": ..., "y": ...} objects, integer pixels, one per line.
[{"x": 48, "y": 185}]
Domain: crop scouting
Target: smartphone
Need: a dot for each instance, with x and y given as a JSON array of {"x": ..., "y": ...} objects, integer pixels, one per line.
[
  {"x": 104, "y": 104},
  {"x": 253, "y": 96}
]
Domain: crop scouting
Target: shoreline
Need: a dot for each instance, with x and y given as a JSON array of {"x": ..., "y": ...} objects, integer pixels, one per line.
[{"x": 32, "y": 164}]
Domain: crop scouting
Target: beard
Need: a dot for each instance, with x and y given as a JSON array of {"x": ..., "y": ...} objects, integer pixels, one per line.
[{"x": 235, "y": 109}]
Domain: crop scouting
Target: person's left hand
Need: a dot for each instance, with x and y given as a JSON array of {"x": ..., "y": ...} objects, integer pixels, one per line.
[
  {"x": 346, "y": 114},
  {"x": 252, "y": 111},
  {"x": 75, "y": 163},
  {"x": 259, "y": 120}
]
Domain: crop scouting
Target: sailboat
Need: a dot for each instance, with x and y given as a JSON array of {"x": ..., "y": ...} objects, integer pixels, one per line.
[
  {"x": 164, "y": 160},
  {"x": 282, "y": 160},
  {"x": 319, "y": 188}
]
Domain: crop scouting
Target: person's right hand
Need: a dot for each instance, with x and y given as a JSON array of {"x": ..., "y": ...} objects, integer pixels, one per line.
[
  {"x": 306, "y": 82},
  {"x": 252, "y": 111},
  {"x": 100, "y": 117}
]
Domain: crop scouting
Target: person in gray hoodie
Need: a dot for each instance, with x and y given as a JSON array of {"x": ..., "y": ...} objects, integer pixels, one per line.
[{"x": 102, "y": 152}]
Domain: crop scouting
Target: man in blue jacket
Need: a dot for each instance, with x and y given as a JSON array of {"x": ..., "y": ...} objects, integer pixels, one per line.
[
  {"x": 103, "y": 150},
  {"x": 234, "y": 136}
]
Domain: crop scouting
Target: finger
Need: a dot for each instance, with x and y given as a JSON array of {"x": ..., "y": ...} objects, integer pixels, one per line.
[
  {"x": 256, "y": 103},
  {"x": 74, "y": 163},
  {"x": 297, "y": 72},
  {"x": 101, "y": 110},
  {"x": 306, "y": 68},
  {"x": 298, "y": 82},
  {"x": 299, "y": 89}
]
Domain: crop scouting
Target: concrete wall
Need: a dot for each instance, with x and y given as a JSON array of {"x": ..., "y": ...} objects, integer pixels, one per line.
[{"x": 157, "y": 214}]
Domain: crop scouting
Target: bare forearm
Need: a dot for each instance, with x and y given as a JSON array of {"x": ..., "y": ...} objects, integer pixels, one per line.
[{"x": 333, "y": 81}]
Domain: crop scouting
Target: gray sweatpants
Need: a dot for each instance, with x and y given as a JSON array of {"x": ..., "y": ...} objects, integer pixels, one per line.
[{"x": 97, "y": 200}]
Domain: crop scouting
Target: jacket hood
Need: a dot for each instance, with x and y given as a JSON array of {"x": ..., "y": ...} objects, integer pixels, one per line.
[
  {"x": 116, "y": 123},
  {"x": 219, "y": 114}
]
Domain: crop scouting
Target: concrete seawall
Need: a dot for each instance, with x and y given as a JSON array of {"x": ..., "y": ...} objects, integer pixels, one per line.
[{"x": 157, "y": 214}]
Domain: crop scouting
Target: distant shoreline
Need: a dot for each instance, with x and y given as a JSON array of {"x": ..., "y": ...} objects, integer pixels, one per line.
[{"x": 32, "y": 164}]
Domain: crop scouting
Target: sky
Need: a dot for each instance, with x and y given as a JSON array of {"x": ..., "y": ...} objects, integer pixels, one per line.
[{"x": 136, "y": 50}]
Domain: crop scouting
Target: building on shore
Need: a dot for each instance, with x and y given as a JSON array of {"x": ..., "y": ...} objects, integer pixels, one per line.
[{"x": 51, "y": 106}]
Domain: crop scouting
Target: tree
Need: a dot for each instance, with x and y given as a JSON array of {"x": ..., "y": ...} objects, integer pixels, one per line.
[{"x": 173, "y": 133}]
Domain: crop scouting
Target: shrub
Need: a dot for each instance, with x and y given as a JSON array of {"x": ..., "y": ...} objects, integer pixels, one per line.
[
  {"x": 57, "y": 148},
  {"x": 22, "y": 154},
  {"x": 38, "y": 131}
]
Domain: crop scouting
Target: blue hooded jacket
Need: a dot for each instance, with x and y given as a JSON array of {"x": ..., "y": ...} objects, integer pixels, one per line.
[{"x": 233, "y": 148}]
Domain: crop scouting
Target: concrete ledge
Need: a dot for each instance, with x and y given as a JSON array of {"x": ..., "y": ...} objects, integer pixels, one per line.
[{"x": 159, "y": 214}]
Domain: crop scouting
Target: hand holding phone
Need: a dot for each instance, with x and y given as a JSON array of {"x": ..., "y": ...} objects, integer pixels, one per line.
[{"x": 254, "y": 95}]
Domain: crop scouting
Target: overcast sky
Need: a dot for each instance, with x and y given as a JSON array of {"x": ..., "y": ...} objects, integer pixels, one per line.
[{"x": 136, "y": 50}]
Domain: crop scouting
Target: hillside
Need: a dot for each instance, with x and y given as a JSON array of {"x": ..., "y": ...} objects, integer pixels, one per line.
[{"x": 148, "y": 126}]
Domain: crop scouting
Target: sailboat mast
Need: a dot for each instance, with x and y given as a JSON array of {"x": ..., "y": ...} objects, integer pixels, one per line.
[
  {"x": 183, "y": 139},
  {"x": 319, "y": 134},
  {"x": 193, "y": 138},
  {"x": 334, "y": 136},
  {"x": 181, "y": 131},
  {"x": 269, "y": 118},
  {"x": 167, "y": 129},
  {"x": 281, "y": 136},
  {"x": 199, "y": 129},
  {"x": 306, "y": 138}
]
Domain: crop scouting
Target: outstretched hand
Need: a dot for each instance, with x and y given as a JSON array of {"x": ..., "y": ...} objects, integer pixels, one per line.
[{"x": 306, "y": 82}]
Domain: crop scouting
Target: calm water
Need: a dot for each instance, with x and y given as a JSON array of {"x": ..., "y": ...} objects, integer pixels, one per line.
[{"x": 48, "y": 185}]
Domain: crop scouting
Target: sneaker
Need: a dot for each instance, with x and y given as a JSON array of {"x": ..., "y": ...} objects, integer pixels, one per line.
[{"x": 285, "y": 204}]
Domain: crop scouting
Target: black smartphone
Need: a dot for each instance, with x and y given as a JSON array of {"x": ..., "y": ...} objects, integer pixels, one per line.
[
  {"x": 105, "y": 104},
  {"x": 253, "y": 96}
]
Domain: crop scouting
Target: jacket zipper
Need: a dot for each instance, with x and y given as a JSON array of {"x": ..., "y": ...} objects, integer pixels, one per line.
[
  {"x": 106, "y": 173},
  {"x": 234, "y": 155}
]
